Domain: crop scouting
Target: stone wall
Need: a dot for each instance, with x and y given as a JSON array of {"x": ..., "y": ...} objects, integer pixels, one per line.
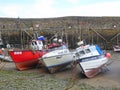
[{"x": 101, "y": 30}]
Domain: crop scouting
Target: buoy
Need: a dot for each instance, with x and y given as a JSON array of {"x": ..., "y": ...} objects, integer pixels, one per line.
[{"x": 108, "y": 55}]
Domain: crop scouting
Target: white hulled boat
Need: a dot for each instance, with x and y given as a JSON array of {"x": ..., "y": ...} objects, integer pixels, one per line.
[
  {"x": 116, "y": 48},
  {"x": 91, "y": 59},
  {"x": 58, "y": 58}
]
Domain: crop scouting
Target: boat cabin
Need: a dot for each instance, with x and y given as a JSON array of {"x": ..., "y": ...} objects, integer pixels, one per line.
[
  {"x": 36, "y": 45},
  {"x": 88, "y": 51}
]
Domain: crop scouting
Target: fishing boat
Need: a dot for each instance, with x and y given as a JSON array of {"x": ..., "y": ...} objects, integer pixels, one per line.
[
  {"x": 6, "y": 58},
  {"x": 25, "y": 59},
  {"x": 3, "y": 55},
  {"x": 91, "y": 59},
  {"x": 116, "y": 48},
  {"x": 57, "y": 58},
  {"x": 29, "y": 58}
]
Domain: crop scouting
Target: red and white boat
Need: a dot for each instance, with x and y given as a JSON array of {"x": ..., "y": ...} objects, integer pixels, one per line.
[{"x": 25, "y": 59}]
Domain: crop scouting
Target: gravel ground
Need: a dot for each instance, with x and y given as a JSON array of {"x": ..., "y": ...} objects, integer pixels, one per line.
[
  {"x": 67, "y": 79},
  {"x": 15, "y": 80}
]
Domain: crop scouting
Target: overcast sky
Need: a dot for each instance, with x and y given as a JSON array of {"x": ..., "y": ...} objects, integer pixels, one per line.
[{"x": 58, "y": 8}]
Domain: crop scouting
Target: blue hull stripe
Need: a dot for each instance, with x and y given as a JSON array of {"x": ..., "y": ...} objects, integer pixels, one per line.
[{"x": 91, "y": 58}]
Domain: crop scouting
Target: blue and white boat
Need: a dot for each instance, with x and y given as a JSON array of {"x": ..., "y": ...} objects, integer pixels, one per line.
[{"x": 91, "y": 59}]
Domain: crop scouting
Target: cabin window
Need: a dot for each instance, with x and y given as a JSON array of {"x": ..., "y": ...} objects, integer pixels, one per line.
[
  {"x": 87, "y": 50},
  {"x": 76, "y": 54},
  {"x": 40, "y": 42},
  {"x": 82, "y": 53},
  {"x": 63, "y": 47},
  {"x": 32, "y": 43},
  {"x": 35, "y": 43}
]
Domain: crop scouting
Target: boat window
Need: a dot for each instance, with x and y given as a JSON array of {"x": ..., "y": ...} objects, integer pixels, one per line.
[
  {"x": 82, "y": 52},
  {"x": 87, "y": 50},
  {"x": 63, "y": 47},
  {"x": 35, "y": 43},
  {"x": 40, "y": 42},
  {"x": 57, "y": 48},
  {"x": 77, "y": 54},
  {"x": 32, "y": 43}
]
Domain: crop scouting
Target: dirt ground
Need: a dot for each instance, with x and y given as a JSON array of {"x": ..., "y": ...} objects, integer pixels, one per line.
[{"x": 108, "y": 77}]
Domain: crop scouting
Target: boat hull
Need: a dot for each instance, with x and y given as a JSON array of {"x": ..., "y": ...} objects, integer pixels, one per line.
[
  {"x": 57, "y": 62},
  {"x": 27, "y": 64},
  {"x": 116, "y": 48},
  {"x": 91, "y": 66},
  {"x": 25, "y": 59}
]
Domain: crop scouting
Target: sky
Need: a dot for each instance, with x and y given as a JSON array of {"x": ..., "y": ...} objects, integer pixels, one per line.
[{"x": 58, "y": 8}]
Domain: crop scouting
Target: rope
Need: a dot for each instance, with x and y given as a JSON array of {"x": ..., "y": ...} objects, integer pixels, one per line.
[
  {"x": 73, "y": 79},
  {"x": 1, "y": 66}
]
